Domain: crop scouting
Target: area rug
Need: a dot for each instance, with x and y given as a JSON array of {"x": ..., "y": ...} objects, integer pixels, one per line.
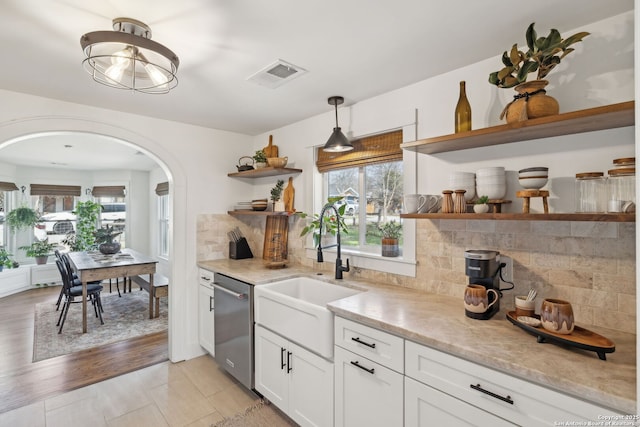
[
  {"x": 261, "y": 414},
  {"x": 124, "y": 317}
]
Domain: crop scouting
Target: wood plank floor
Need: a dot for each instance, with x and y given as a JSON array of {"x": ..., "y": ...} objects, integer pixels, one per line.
[{"x": 23, "y": 382}]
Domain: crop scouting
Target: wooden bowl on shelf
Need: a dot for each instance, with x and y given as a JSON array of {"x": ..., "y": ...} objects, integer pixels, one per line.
[{"x": 277, "y": 162}]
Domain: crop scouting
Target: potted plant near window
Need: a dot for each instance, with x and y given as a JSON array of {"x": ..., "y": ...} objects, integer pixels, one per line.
[
  {"x": 391, "y": 231},
  {"x": 481, "y": 205},
  {"x": 104, "y": 238},
  {"x": 40, "y": 250},
  {"x": 86, "y": 223},
  {"x": 5, "y": 259},
  {"x": 330, "y": 222},
  {"x": 260, "y": 159},
  {"x": 22, "y": 218},
  {"x": 543, "y": 55}
]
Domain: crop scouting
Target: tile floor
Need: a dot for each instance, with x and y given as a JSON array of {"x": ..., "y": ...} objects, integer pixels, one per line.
[{"x": 192, "y": 393}]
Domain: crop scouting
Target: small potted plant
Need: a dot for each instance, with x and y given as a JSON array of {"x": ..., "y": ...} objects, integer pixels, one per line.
[
  {"x": 22, "y": 218},
  {"x": 330, "y": 222},
  {"x": 391, "y": 231},
  {"x": 40, "y": 250},
  {"x": 260, "y": 159},
  {"x": 481, "y": 205},
  {"x": 276, "y": 194},
  {"x": 104, "y": 238},
  {"x": 542, "y": 56},
  {"x": 5, "y": 259}
]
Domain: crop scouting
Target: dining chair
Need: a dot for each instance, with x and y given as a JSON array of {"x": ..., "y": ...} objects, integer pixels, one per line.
[
  {"x": 73, "y": 294},
  {"x": 73, "y": 277}
]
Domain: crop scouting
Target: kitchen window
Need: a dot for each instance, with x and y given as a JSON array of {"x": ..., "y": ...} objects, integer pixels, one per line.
[{"x": 370, "y": 180}]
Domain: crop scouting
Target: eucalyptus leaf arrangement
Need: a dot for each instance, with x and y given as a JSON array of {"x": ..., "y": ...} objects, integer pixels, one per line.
[
  {"x": 329, "y": 221},
  {"x": 276, "y": 191},
  {"x": 390, "y": 229},
  {"x": 543, "y": 54},
  {"x": 22, "y": 218},
  {"x": 39, "y": 248}
]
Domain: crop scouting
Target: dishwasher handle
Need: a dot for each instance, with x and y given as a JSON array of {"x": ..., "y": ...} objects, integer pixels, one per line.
[{"x": 230, "y": 292}]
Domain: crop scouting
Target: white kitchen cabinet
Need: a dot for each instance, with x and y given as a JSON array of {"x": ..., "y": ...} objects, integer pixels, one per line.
[
  {"x": 295, "y": 380},
  {"x": 206, "y": 331},
  {"x": 14, "y": 280},
  {"x": 425, "y": 406}
]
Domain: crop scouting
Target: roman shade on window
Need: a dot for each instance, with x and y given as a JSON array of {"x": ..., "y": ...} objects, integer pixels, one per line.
[
  {"x": 366, "y": 151},
  {"x": 108, "y": 191},
  {"x": 55, "y": 190},
  {"x": 8, "y": 186},
  {"x": 162, "y": 189}
]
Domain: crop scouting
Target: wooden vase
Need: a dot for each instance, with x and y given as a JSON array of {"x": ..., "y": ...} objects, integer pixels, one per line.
[{"x": 531, "y": 102}]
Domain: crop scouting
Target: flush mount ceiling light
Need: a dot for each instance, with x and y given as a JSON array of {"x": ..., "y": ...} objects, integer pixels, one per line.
[
  {"x": 127, "y": 58},
  {"x": 337, "y": 141}
]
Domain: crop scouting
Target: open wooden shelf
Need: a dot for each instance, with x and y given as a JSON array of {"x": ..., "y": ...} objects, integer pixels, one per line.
[
  {"x": 256, "y": 213},
  {"x": 592, "y": 119},
  {"x": 603, "y": 217},
  {"x": 262, "y": 172}
]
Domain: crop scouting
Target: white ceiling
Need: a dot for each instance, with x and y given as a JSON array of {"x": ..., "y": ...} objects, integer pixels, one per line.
[{"x": 354, "y": 48}]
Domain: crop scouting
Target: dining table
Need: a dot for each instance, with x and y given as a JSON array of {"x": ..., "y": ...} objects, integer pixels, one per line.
[{"x": 94, "y": 266}]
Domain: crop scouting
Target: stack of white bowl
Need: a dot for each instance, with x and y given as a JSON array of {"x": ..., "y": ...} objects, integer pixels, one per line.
[
  {"x": 533, "y": 178},
  {"x": 491, "y": 182},
  {"x": 463, "y": 181}
]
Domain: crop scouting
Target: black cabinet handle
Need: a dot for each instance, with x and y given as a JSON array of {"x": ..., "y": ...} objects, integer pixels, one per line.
[
  {"x": 210, "y": 303},
  {"x": 289, "y": 368},
  {"x": 282, "y": 364},
  {"x": 358, "y": 365},
  {"x": 497, "y": 396},
  {"x": 359, "y": 341}
]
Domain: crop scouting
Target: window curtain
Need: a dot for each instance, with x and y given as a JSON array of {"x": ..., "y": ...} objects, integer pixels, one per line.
[
  {"x": 108, "y": 191},
  {"x": 162, "y": 189},
  {"x": 8, "y": 186},
  {"x": 55, "y": 190},
  {"x": 366, "y": 151}
]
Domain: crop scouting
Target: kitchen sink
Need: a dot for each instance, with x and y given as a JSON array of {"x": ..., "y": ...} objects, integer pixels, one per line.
[{"x": 296, "y": 309}]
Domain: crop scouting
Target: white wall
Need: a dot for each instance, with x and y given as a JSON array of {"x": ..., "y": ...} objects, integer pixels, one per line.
[{"x": 195, "y": 159}]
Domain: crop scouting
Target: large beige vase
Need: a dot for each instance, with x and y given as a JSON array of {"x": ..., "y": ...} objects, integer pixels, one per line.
[{"x": 531, "y": 102}]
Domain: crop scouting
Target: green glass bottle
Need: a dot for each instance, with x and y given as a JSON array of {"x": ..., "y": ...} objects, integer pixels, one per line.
[{"x": 463, "y": 111}]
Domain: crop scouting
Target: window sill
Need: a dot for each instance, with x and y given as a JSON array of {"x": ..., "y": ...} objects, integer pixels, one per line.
[{"x": 369, "y": 261}]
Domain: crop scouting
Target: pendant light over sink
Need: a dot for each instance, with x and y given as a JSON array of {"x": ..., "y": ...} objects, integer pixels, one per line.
[
  {"x": 127, "y": 58},
  {"x": 337, "y": 141}
]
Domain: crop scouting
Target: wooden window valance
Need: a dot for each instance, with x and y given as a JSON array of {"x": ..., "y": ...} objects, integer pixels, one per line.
[
  {"x": 366, "y": 151},
  {"x": 162, "y": 189},
  {"x": 55, "y": 190},
  {"x": 108, "y": 191},
  {"x": 8, "y": 186}
]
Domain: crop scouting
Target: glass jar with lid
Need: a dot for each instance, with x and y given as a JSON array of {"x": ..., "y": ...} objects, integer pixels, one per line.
[
  {"x": 621, "y": 189},
  {"x": 591, "y": 192}
]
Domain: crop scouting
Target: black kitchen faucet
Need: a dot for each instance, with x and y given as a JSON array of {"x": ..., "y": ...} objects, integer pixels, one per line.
[{"x": 339, "y": 267}]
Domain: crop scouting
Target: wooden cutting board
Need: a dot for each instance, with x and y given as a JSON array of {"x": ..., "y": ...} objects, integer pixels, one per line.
[{"x": 270, "y": 150}]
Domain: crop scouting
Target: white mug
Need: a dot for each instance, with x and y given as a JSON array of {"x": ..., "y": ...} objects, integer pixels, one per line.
[
  {"x": 414, "y": 202},
  {"x": 615, "y": 205},
  {"x": 432, "y": 204}
]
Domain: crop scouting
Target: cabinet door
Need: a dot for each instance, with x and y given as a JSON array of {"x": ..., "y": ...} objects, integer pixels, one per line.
[
  {"x": 271, "y": 378},
  {"x": 425, "y": 407},
  {"x": 367, "y": 394},
  {"x": 310, "y": 388},
  {"x": 206, "y": 331}
]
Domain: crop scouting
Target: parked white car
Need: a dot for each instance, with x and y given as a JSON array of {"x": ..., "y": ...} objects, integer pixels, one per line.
[{"x": 63, "y": 222}]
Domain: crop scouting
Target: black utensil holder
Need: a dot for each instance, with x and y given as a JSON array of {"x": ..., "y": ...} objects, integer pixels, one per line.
[{"x": 240, "y": 249}]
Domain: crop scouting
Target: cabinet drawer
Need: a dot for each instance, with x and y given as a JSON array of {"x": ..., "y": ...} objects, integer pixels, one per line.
[
  {"x": 375, "y": 345},
  {"x": 511, "y": 398},
  {"x": 205, "y": 277}
]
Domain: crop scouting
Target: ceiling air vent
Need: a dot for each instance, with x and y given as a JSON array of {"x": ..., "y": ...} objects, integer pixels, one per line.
[{"x": 276, "y": 74}]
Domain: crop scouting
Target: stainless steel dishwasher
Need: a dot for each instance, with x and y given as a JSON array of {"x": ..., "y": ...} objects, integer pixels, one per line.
[{"x": 233, "y": 324}]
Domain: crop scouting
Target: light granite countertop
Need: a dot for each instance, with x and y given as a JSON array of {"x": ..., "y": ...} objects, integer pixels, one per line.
[{"x": 439, "y": 322}]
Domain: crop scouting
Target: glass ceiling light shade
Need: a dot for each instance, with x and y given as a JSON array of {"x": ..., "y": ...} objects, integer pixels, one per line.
[
  {"x": 337, "y": 141},
  {"x": 127, "y": 58}
]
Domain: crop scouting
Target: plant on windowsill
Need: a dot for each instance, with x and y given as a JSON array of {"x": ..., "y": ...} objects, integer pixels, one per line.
[
  {"x": 481, "y": 205},
  {"x": 391, "y": 232},
  {"x": 5, "y": 259},
  {"x": 329, "y": 222},
  {"x": 104, "y": 238},
  {"x": 40, "y": 250},
  {"x": 22, "y": 218}
]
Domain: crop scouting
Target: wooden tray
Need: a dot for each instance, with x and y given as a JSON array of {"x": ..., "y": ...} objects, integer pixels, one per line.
[{"x": 579, "y": 338}]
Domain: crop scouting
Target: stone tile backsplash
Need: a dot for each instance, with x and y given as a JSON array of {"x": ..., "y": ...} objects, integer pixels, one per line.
[{"x": 590, "y": 264}]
